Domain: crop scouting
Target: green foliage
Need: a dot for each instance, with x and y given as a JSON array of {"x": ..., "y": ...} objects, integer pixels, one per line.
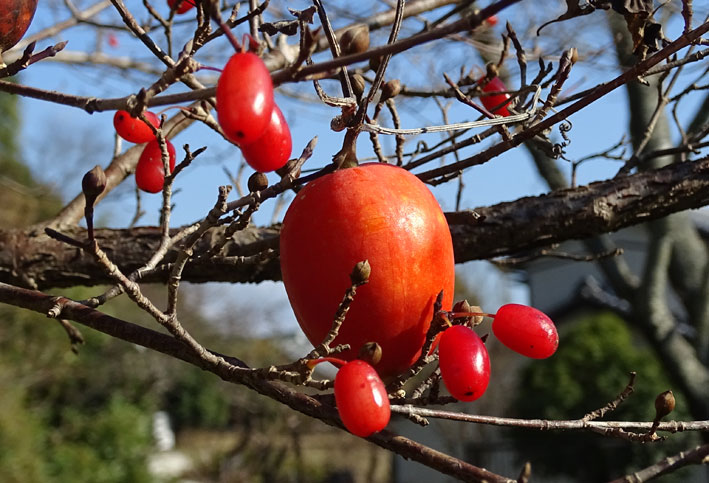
[
  {"x": 592, "y": 366},
  {"x": 22, "y": 436},
  {"x": 197, "y": 399},
  {"x": 103, "y": 444},
  {"x": 67, "y": 417}
]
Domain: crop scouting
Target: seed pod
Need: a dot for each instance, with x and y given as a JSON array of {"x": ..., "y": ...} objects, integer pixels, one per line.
[
  {"x": 664, "y": 405},
  {"x": 257, "y": 182},
  {"x": 391, "y": 89},
  {"x": 355, "y": 40},
  {"x": 358, "y": 84},
  {"x": 371, "y": 353},
  {"x": 361, "y": 272},
  {"x": 93, "y": 183}
]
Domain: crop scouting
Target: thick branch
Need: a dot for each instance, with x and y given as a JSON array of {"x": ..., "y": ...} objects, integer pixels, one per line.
[{"x": 505, "y": 229}]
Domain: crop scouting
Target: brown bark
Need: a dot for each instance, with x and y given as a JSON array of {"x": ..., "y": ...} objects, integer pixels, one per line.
[{"x": 30, "y": 258}]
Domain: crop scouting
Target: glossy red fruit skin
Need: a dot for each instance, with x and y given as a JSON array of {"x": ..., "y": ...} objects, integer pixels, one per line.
[
  {"x": 361, "y": 399},
  {"x": 272, "y": 150},
  {"x": 464, "y": 363},
  {"x": 526, "y": 330},
  {"x": 150, "y": 172},
  {"x": 244, "y": 98},
  {"x": 495, "y": 85},
  {"x": 15, "y": 18},
  {"x": 383, "y": 214},
  {"x": 134, "y": 129},
  {"x": 184, "y": 6}
]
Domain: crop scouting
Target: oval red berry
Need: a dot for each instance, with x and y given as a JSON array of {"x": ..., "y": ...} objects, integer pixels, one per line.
[
  {"x": 183, "y": 6},
  {"x": 134, "y": 129},
  {"x": 244, "y": 98},
  {"x": 526, "y": 330},
  {"x": 464, "y": 363},
  {"x": 491, "y": 102},
  {"x": 150, "y": 171},
  {"x": 361, "y": 399},
  {"x": 272, "y": 150}
]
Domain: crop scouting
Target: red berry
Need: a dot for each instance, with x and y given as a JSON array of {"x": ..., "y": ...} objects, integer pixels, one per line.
[
  {"x": 150, "y": 172},
  {"x": 272, "y": 150},
  {"x": 491, "y": 21},
  {"x": 464, "y": 363},
  {"x": 184, "y": 5},
  {"x": 361, "y": 399},
  {"x": 244, "y": 98},
  {"x": 490, "y": 102},
  {"x": 526, "y": 330},
  {"x": 133, "y": 129},
  {"x": 113, "y": 40},
  {"x": 383, "y": 214}
]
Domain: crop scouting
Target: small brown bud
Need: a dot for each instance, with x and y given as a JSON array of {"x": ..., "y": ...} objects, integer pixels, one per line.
[
  {"x": 93, "y": 184},
  {"x": 257, "y": 182},
  {"x": 391, "y": 89},
  {"x": 370, "y": 352},
  {"x": 355, "y": 40},
  {"x": 338, "y": 123},
  {"x": 358, "y": 84},
  {"x": 361, "y": 272},
  {"x": 664, "y": 405},
  {"x": 492, "y": 70}
]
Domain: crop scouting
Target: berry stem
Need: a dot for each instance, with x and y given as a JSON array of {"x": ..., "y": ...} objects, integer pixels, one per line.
[
  {"x": 216, "y": 15},
  {"x": 311, "y": 363}
]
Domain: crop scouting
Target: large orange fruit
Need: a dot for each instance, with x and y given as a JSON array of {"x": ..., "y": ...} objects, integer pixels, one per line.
[
  {"x": 15, "y": 18},
  {"x": 383, "y": 214}
]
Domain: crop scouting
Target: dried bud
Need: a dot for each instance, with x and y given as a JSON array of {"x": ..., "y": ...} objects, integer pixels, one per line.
[
  {"x": 338, "y": 123},
  {"x": 370, "y": 352},
  {"x": 664, "y": 405},
  {"x": 358, "y": 85},
  {"x": 361, "y": 272},
  {"x": 257, "y": 182},
  {"x": 93, "y": 184},
  {"x": 355, "y": 40},
  {"x": 492, "y": 70},
  {"x": 391, "y": 89},
  {"x": 464, "y": 306}
]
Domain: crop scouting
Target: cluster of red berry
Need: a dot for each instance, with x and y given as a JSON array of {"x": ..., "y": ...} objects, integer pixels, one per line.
[
  {"x": 150, "y": 171},
  {"x": 387, "y": 216},
  {"x": 248, "y": 114},
  {"x": 361, "y": 397},
  {"x": 463, "y": 357}
]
